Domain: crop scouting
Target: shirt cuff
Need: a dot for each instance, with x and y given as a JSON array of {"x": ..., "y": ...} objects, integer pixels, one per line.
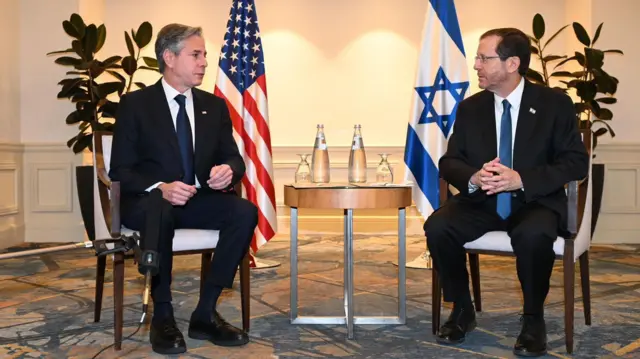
[
  {"x": 154, "y": 186},
  {"x": 472, "y": 187}
]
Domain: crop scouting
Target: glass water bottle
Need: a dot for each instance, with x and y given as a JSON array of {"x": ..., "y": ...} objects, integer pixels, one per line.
[
  {"x": 320, "y": 158},
  {"x": 357, "y": 158}
]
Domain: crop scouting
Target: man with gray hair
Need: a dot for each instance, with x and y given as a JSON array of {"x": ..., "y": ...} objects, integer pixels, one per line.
[{"x": 174, "y": 138}]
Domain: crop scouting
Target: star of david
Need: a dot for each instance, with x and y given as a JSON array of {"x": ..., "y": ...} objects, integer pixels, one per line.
[{"x": 428, "y": 93}]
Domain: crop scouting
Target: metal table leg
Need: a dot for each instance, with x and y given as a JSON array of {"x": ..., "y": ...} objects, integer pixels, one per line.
[
  {"x": 349, "y": 319},
  {"x": 348, "y": 270},
  {"x": 293, "y": 254}
]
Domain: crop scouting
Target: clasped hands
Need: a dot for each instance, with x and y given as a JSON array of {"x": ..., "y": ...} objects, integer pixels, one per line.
[
  {"x": 494, "y": 177},
  {"x": 178, "y": 193}
]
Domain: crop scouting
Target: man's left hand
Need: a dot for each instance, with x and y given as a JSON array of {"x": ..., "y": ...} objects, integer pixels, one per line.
[
  {"x": 220, "y": 177},
  {"x": 504, "y": 180}
]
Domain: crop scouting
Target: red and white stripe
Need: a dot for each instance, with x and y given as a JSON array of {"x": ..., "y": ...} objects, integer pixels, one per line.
[{"x": 249, "y": 114}]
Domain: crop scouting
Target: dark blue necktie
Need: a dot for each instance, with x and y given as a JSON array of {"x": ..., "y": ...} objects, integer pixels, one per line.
[
  {"x": 185, "y": 140},
  {"x": 504, "y": 198}
]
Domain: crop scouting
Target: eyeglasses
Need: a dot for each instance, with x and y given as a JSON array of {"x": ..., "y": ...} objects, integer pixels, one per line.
[{"x": 485, "y": 58}]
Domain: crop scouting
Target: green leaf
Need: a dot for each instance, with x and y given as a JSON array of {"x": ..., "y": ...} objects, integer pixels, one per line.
[
  {"x": 117, "y": 75},
  {"x": 78, "y": 48},
  {"x": 581, "y": 34},
  {"x": 71, "y": 30},
  {"x": 613, "y": 134},
  {"x": 85, "y": 73},
  {"x": 613, "y": 51},
  {"x": 564, "y": 61},
  {"x": 109, "y": 109},
  {"x": 149, "y": 68},
  {"x": 68, "y": 61},
  {"x": 72, "y": 118},
  {"x": 549, "y": 58},
  {"x": 140, "y": 85},
  {"x": 102, "y": 36},
  {"x": 83, "y": 142},
  {"x": 599, "y": 132},
  {"x": 534, "y": 50},
  {"x": 538, "y": 26},
  {"x": 606, "y": 83},
  {"x": 150, "y": 61},
  {"x": 534, "y": 76},
  {"x": 554, "y": 35},
  {"x": 595, "y": 107},
  {"x": 597, "y": 34},
  {"x": 605, "y": 114},
  {"x": 607, "y": 100},
  {"x": 129, "y": 44},
  {"x": 107, "y": 88},
  {"x": 595, "y": 58},
  {"x": 143, "y": 35},
  {"x": 581, "y": 59},
  {"x": 60, "y": 52},
  {"x": 111, "y": 60},
  {"x": 90, "y": 41},
  {"x": 78, "y": 23},
  {"x": 129, "y": 65},
  {"x": 561, "y": 74}
]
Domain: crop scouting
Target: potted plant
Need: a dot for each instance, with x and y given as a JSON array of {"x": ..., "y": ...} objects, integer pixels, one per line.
[
  {"x": 593, "y": 86},
  {"x": 96, "y": 102}
]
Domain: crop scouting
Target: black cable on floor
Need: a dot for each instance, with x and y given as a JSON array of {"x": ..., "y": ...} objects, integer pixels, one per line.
[{"x": 128, "y": 337}]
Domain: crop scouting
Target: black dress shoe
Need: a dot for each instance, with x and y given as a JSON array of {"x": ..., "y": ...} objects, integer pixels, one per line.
[
  {"x": 216, "y": 330},
  {"x": 460, "y": 322},
  {"x": 532, "y": 341},
  {"x": 166, "y": 338}
]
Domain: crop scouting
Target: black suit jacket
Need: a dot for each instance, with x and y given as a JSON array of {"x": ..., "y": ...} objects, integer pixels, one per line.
[
  {"x": 145, "y": 145},
  {"x": 548, "y": 149}
]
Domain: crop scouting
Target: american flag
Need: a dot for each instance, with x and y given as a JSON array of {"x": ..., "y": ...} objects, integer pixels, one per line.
[{"x": 242, "y": 83}]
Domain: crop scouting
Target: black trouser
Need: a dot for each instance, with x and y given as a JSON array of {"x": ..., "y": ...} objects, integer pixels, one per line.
[
  {"x": 235, "y": 218},
  {"x": 532, "y": 228}
]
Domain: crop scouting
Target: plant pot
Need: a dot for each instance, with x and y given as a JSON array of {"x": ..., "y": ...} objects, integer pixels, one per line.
[
  {"x": 84, "y": 185},
  {"x": 597, "y": 187}
]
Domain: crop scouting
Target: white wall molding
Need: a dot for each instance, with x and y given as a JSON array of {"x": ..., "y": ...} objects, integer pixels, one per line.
[
  {"x": 11, "y": 199},
  {"x": 52, "y": 211},
  {"x": 58, "y": 218}
]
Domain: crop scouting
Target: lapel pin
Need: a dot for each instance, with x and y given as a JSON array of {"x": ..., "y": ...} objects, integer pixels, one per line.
[
  {"x": 204, "y": 112},
  {"x": 532, "y": 110}
]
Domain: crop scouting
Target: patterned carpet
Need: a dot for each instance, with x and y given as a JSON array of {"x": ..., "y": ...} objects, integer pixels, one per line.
[{"x": 46, "y": 306}]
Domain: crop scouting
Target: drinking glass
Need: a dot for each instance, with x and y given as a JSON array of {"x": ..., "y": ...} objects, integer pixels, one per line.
[
  {"x": 303, "y": 172},
  {"x": 384, "y": 174}
]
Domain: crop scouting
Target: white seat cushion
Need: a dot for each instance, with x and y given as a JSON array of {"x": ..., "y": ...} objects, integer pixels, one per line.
[
  {"x": 500, "y": 241},
  {"x": 189, "y": 239}
]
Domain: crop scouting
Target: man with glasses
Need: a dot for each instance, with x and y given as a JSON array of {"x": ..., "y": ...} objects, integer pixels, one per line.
[{"x": 513, "y": 148}]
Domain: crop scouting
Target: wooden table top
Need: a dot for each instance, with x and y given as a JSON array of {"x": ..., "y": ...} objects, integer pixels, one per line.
[{"x": 347, "y": 196}]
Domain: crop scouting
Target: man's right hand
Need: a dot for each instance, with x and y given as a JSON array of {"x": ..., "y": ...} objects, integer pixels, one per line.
[
  {"x": 483, "y": 176},
  {"x": 177, "y": 193}
]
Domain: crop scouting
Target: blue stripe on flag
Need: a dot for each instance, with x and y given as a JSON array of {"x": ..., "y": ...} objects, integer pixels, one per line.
[
  {"x": 422, "y": 167},
  {"x": 446, "y": 11}
]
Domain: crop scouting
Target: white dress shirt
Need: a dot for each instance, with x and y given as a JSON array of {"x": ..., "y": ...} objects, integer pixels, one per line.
[
  {"x": 174, "y": 107},
  {"x": 514, "y": 98}
]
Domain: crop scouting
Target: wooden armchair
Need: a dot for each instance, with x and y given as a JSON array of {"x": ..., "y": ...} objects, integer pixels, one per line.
[
  {"x": 575, "y": 248},
  {"x": 106, "y": 196}
]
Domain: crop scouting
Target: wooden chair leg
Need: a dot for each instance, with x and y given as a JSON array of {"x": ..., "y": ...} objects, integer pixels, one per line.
[
  {"x": 118, "y": 299},
  {"x": 245, "y": 293},
  {"x": 569, "y": 287},
  {"x": 586, "y": 286},
  {"x": 474, "y": 265},
  {"x": 436, "y": 301},
  {"x": 205, "y": 266},
  {"x": 101, "y": 266}
]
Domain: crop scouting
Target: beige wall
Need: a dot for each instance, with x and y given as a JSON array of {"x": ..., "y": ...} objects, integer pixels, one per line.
[
  {"x": 328, "y": 61},
  {"x": 11, "y": 216}
]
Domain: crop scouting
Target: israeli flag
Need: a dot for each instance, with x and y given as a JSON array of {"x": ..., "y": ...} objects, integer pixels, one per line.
[{"x": 442, "y": 81}]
